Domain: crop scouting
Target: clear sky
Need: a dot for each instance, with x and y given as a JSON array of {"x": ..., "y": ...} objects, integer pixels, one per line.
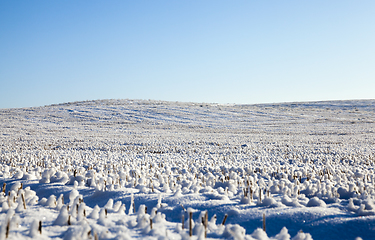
[{"x": 196, "y": 51}]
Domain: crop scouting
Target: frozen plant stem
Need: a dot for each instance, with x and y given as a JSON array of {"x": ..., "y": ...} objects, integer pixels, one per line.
[
  {"x": 190, "y": 224},
  {"x": 183, "y": 221},
  {"x": 40, "y": 227},
  {"x": 7, "y": 230},
  {"x": 225, "y": 218},
  {"x": 23, "y": 200},
  {"x": 205, "y": 224},
  {"x": 264, "y": 222}
]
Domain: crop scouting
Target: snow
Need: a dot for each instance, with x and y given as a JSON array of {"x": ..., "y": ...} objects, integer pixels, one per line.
[{"x": 123, "y": 169}]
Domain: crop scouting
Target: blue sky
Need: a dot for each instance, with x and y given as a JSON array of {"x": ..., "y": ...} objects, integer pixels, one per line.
[{"x": 196, "y": 51}]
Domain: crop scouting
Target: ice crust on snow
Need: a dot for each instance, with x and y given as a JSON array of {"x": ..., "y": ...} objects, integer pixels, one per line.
[{"x": 123, "y": 169}]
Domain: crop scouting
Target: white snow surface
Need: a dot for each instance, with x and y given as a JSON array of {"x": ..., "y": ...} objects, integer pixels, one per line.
[{"x": 123, "y": 169}]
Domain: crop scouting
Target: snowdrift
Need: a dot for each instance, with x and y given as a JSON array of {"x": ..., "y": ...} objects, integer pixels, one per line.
[{"x": 123, "y": 169}]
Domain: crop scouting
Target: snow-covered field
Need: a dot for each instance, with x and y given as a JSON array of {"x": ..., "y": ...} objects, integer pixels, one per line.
[{"x": 122, "y": 169}]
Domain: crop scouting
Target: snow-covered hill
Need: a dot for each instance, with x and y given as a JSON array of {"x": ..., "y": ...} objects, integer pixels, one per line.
[{"x": 306, "y": 166}]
